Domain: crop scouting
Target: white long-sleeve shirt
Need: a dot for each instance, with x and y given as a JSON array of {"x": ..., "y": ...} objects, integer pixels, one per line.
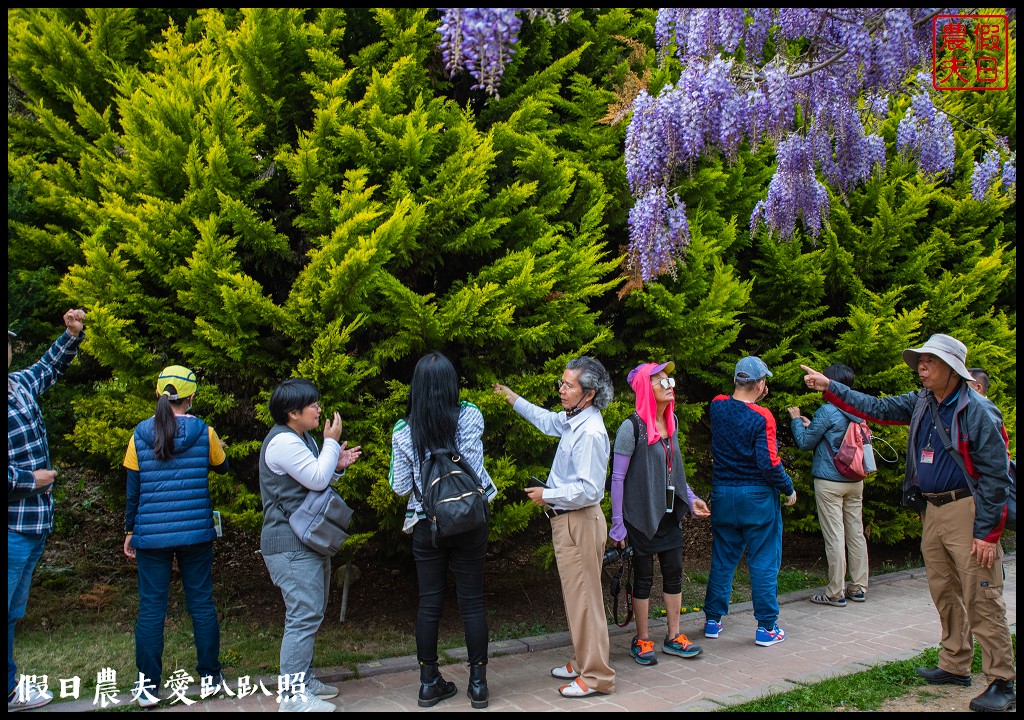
[
  {"x": 287, "y": 454},
  {"x": 577, "y": 476}
]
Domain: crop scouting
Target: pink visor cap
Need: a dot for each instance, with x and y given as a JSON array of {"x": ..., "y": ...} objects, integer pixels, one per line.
[{"x": 669, "y": 366}]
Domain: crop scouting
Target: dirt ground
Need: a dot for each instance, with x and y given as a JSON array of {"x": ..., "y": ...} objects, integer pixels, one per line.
[{"x": 937, "y": 698}]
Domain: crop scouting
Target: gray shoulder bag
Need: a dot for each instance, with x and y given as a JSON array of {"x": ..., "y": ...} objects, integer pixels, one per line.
[{"x": 321, "y": 521}]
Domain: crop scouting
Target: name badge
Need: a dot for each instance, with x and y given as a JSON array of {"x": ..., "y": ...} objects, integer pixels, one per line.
[{"x": 927, "y": 456}]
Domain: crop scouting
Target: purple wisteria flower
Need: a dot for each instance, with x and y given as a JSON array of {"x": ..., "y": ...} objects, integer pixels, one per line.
[
  {"x": 1010, "y": 176},
  {"x": 926, "y": 135},
  {"x": 793, "y": 192},
  {"x": 985, "y": 173},
  {"x": 659, "y": 232},
  {"x": 482, "y": 41}
]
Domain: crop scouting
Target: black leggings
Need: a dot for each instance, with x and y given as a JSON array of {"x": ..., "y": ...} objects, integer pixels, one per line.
[
  {"x": 464, "y": 554},
  {"x": 671, "y": 573}
]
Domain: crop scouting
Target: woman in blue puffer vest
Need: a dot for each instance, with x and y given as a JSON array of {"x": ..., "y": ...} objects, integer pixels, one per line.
[{"x": 169, "y": 515}]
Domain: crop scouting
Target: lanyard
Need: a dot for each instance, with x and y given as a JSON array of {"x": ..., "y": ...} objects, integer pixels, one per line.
[{"x": 668, "y": 459}]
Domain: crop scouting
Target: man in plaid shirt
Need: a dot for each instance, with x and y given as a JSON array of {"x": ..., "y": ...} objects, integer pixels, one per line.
[{"x": 29, "y": 481}]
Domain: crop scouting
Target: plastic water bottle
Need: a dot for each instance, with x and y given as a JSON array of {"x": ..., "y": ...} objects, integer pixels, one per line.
[{"x": 869, "y": 458}]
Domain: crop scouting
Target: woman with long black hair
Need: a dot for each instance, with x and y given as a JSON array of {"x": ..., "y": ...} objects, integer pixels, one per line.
[
  {"x": 168, "y": 516},
  {"x": 437, "y": 419}
]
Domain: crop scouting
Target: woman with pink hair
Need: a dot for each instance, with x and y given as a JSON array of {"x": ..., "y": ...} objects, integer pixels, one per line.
[{"x": 650, "y": 498}]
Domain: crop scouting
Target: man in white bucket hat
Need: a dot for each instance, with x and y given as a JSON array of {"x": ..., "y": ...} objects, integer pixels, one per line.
[{"x": 958, "y": 469}]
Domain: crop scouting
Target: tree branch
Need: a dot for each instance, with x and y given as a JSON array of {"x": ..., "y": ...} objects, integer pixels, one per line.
[{"x": 835, "y": 58}]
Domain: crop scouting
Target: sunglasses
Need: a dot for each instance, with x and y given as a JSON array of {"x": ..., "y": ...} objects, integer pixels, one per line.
[{"x": 667, "y": 383}]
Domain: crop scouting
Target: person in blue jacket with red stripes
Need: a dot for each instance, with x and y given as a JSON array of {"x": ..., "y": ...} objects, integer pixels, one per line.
[{"x": 747, "y": 480}]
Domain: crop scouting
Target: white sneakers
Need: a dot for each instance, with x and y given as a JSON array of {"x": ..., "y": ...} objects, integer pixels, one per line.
[
  {"x": 315, "y": 687},
  {"x": 564, "y": 673},
  {"x": 146, "y": 696},
  {"x": 29, "y": 698},
  {"x": 148, "y": 700}
]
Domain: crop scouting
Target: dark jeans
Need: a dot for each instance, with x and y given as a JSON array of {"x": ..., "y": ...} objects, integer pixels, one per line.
[
  {"x": 745, "y": 518},
  {"x": 195, "y": 564},
  {"x": 465, "y": 555}
]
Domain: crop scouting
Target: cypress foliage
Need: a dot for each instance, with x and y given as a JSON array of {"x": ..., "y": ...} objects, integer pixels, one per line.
[
  {"x": 262, "y": 193},
  {"x": 254, "y": 202}
]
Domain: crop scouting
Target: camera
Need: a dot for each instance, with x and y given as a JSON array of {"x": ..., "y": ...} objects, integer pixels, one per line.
[{"x": 616, "y": 554}]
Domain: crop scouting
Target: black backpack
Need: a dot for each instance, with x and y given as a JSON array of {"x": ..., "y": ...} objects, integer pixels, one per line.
[{"x": 452, "y": 498}]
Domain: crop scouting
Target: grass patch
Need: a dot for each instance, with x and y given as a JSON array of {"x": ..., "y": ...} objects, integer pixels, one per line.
[
  {"x": 695, "y": 584},
  {"x": 863, "y": 691},
  {"x": 911, "y": 562},
  {"x": 247, "y": 648},
  {"x": 790, "y": 580},
  {"x": 516, "y": 630}
]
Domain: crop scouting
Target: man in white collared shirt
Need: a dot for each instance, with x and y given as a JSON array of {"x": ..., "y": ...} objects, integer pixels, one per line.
[{"x": 571, "y": 498}]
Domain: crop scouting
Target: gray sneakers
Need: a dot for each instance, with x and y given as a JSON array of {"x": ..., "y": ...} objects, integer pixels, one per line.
[
  {"x": 311, "y": 704},
  {"x": 315, "y": 687}
]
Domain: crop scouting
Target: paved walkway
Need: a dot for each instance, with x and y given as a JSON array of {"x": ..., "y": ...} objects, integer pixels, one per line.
[{"x": 897, "y": 622}]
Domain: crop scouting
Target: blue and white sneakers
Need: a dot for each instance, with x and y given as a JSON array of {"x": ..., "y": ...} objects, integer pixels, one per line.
[
  {"x": 767, "y": 638},
  {"x": 712, "y": 628}
]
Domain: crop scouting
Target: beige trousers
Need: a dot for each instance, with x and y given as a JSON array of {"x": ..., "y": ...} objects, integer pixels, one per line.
[
  {"x": 579, "y": 538},
  {"x": 842, "y": 526},
  {"x": 967, "y": 596}
]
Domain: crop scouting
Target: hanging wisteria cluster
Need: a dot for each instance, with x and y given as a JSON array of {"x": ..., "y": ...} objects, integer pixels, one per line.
[
  {"x": 794, "y": 191},
  {"x": 1010, "y": 177},
  {"x": 993, "y": 170},
  {"x": 925, "y": 134},
  {"x": 984, "y": 173},
  {"x": 663, "y": 220},
  {"x": 719, "y": 103},
  {"x": 481, "y": 41}
]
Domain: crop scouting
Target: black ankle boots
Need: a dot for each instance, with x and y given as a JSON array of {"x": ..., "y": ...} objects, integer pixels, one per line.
[
  {"x": 478, "y": 685},
  {"x": 998, "y": 697},
  {"x": 433, "y": 687}
]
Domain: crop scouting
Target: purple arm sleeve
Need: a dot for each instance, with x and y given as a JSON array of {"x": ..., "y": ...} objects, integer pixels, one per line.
[
  {"x": 620, "y": 464},
  {"x": 690, "y": 497}
]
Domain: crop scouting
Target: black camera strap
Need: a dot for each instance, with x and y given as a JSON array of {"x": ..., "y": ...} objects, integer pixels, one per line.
[{"x": 625, "y": 568}]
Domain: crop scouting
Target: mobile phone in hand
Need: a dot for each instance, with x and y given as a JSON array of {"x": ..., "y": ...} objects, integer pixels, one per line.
[{"x": 534, "y": 482}]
